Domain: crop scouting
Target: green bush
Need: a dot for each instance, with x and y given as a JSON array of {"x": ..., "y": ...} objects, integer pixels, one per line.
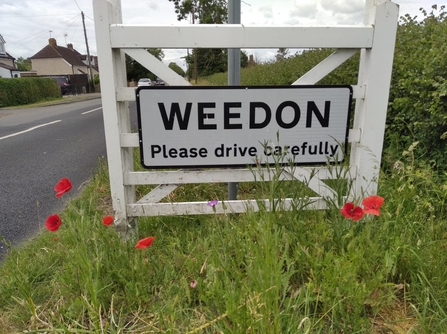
[
  {"x": 418, "y": 96},
  {"x": 20, "y": 91}
]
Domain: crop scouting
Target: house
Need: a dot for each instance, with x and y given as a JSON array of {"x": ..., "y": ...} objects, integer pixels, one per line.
[
  {"x": 58, "y": 60},
  {"x": 93, "y": 63},
  {"x": 8, "y": 68}
]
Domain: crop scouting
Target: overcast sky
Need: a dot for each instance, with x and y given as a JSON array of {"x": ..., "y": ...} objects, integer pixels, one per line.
[{"x": 26, "y": 25}]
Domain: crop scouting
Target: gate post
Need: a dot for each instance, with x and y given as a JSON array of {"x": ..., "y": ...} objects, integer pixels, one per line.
[
  {"x": 116, "y": 113},
  {"x": 370, "y": 112}
]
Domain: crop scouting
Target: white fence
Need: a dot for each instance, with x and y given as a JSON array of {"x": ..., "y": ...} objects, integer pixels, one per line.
[{"x": 375, "y": 40}]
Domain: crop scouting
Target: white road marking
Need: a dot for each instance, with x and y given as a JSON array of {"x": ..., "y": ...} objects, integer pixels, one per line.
[
  {"x": 88, "y": 112},
  {"x": 28, "y": 130}
]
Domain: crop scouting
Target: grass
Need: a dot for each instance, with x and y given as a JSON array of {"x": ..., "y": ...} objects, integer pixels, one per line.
[{"x": 280, "y": 272}]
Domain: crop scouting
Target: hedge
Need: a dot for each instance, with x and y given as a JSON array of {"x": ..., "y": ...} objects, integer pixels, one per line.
[{"x": 18, "y": 91}]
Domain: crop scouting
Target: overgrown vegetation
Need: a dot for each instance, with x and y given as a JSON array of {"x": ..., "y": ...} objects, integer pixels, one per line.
[
  {"x": 267, "y": 272},
  {"x": 19, "y": 91},
  {"x": 418, "y": 100},
  {"x": 418, "y": 96}
]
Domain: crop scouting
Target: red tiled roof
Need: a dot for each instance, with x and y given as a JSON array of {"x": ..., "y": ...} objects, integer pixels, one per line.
[{"x": 55, "y": 51}]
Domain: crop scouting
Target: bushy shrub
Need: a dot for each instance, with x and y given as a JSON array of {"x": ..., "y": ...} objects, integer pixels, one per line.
[
  {"x": 418, "y": 96},
  {"x": 20, "y": 91}
]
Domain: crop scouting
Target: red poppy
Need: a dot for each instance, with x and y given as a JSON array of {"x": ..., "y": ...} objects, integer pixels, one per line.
[
  {"x": 62, "y": 187},
  {"x": 372, "y": 205},
  {"x": 146, "y": 242},
  {"x": 53, "y": 223},
  {"x": 107, "y": 220},
  {"x": 350, "y": 211}
]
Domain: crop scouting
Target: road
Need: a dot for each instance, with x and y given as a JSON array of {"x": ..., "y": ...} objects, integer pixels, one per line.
[{"x": 39, "y": 146}]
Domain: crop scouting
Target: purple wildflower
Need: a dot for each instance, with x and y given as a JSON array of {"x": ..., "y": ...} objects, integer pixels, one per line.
[{"x": 213, "y": 202}]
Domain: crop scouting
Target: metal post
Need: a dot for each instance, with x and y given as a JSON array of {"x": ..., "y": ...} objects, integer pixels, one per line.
[{"x": 234, "y": 70}]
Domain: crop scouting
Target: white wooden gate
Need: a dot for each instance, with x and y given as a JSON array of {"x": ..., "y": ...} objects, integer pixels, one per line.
[{"x": 375, "y": 40}]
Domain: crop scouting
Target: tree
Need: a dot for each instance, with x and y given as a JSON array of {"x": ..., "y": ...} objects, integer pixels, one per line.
[
  {"x": 282, "y": 54},
  {"x": 210, "y": 61},
  {"x": 177, "y": 69},
  {"x": 23, "y": 64},
  {"x": 244, "y": 59},
  {"x": 203, "y": 61},
  {"x": 205, "y": 11},
  {"x": 136, "y": 71}
]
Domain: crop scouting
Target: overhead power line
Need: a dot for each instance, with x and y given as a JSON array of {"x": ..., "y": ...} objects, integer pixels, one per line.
[
  {"x": 15, "y": 16},
  {"x": 17, "y": 44},
  {"x": 78, "y": 6}
]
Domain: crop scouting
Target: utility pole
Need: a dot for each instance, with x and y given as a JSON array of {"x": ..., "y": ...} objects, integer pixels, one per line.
[{"x": 91, "y": 85}]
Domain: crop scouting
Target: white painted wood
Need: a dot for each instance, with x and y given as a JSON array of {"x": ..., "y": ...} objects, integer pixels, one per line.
[
  {"x": 157, "y": 67},
  {"x": 370, "y": 113},
  {"x": 375, "y": 39},
  {"x": 125, "y": 94},
  {"x": 129, "y": 140},
  {"x": 116, "y": 114},
  {"x": 218, "y": 175},
  {"x": 325, "y": 67},
  {"x": 239, "y": 36},
  {"x": 223, "y": 207},
  {"x": 157, "y": 194},
  {"x": 358, "y": 91},
  {"x": 354, "y": 135}
]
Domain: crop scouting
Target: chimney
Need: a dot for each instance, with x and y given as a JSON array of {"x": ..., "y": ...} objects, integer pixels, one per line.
[
  {"x": 70, "y": 46},
  {"x": 251, "y": 61},
  {"x": 52, "y": 41}
]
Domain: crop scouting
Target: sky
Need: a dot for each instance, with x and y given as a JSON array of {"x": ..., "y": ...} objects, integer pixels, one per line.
[{"x": 26, "y": 25}]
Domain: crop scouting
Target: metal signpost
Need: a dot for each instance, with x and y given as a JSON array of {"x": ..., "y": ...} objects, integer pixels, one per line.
[{"x": 234, "y": 70}]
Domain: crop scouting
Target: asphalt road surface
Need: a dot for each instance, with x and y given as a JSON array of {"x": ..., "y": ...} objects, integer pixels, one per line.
[{"x": 39, "y": 146}]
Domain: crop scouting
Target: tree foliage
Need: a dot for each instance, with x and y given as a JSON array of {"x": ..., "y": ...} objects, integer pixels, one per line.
[
  {"x": 282, "y": 54},
  {"x": 23, "y": 64},
  {"x": 203, "y": 11},
  {"x": 208, "y": 61},
  {"x": 177, "y": 69},
  {"x": 136, "y": 71}
]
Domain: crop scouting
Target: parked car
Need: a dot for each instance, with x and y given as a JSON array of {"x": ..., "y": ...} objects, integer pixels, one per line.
[
  {"x": 158, "y": 82},
  {"x": 64, "y": 85},
  {"x": 144, "y": 82}
]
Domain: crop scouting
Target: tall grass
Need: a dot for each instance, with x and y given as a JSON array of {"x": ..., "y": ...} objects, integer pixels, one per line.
[{"x": 260, "y": 272}]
